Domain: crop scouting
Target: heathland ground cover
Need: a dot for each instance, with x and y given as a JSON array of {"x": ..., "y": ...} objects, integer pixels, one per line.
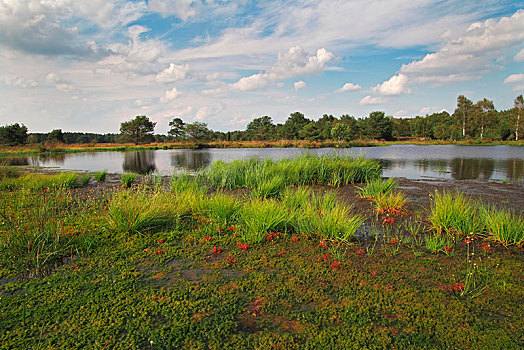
[{"x": 314, "y": 259}]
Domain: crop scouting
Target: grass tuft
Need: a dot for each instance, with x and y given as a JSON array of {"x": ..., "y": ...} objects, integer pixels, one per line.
[
  {"x": 503, "y": 226},
  {"x": 454, "y": 213}
]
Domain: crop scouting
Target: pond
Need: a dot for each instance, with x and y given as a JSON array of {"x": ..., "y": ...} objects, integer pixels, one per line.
[{"x": 409, "y": 161}]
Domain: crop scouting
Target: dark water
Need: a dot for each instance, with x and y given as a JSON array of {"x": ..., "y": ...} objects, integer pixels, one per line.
[{"x": 410, "y": 161}]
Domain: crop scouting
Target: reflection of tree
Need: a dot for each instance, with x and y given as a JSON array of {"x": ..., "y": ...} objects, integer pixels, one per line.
[
  {"x": 15, "y": 160},
  {"x": 140, "y": 162},
  {"x": 191, "y": 160},
  {"x": 470, "y": 168},
  {"x": 54, "y": 157},
  {"x": 514, "y": 168},
  {"x": 436, "y": 165}
]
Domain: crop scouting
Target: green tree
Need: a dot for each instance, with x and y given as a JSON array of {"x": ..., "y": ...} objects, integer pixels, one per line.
[
  {"x": 138, "y": 130},
  {"x": 291, "y": 128},
  {"x": 519, "y": 107},
  {"x": 261, "y": 128},
  {"x": 310, "y": 132},
  {"x": 379, "y": 126},
  {"x": 56, "y": 136},
  {"x": 197, "y": 132},
  {"x": 485, "y": 106},
  {"x": 462, "y": 111},
  {"x": 14, "y": 134},
  {"x": 177, "y": 128}
]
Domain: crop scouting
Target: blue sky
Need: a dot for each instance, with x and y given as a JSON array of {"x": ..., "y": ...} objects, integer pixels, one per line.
[{"x": 90, "y": 65}]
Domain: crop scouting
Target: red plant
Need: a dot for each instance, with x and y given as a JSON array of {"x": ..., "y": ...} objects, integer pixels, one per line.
[
  {"x": 448, "y": 249},
  {"x": 159, "y": 251},
  {"x": 389, "y": 220},
  {"x": 216, "y": 251},
  {"x": 486, "y": 247},
  {"x": 74, "y": 267},
  {"x": 456, "y": 287},
  {"x": 294, "y": 238},
  {"x": 231, "y": 228},
  {"x": 393, "y": 241},
  {"x": 361, "y": 251},
  {"x": 230, "y": 260},
  {"x": 322, "y": 258},
  {"x": 242, "y": 246},
  {"x": 281, "y": 252},
  {"x": 219, "y": 229},
  {"x": 335, "y": 265},
  {"x": 207, "y": 238},
  {"x": 160, "y": 241},
  {"x": 322, "y": 244}
]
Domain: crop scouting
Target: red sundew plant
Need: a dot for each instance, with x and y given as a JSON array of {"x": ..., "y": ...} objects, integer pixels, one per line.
[
  {"x": 231, "y": 229},
  {"x": 294, "y": 238},
  {"x": 159, "y": 251},
  {"x": 323, "y": 258},
  {"x": 389, "y": 221},
  {"x": 282, "y": 252},
  {"x": 207, "y": 238},
  {"x": 242, "y": 246},
  {"x": 230, "y": 260},
  {"x": 361, "y": 251},
  {"x": 455, "y": 288},
  {"x": 335, "y": 265},
  {"x": 393, "y": 241},
  {"x": 486, "y": 247},
  {"x": 160, "y": 241},
  {"x": 216, "y": 251},
  {"x": 447, "y": 249},
  {"x": 322, "y": 244}
]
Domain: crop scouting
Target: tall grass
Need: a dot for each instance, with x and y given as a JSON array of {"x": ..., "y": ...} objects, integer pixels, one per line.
[
  {"x": 39, "y": 181},
  {"x": 142, "y": 212},
  {"x": 36, "y": 229},
  {"x": 306, "y": 169},
  {"x": 220, "y": 208},
  {"x": 377, "y": 188},
  {"x": 258, "y": 217},
  {"x": 269, "y": 188},
  {"x": 503, "y": 226},
  {"x": 392, "y": 202},
  {"x": 294, "y": 199},
  {"x": 128, "y": 179},
  {"x": 184, "y": 182},
  {"x": 100, "y": 176},
  {"x": 454, "y": 213}
]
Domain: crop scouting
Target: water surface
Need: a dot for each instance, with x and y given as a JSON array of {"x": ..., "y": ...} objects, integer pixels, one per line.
[{"x": 410, "y": 161}]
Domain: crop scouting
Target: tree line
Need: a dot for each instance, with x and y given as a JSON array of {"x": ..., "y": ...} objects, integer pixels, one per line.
[{"x": 469, "y": 120}]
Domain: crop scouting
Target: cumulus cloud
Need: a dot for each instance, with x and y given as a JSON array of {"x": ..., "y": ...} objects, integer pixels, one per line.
[
  {"x": 15, "y": 80},
  {"x": 295, "y": 62},
  {"x": 299, "y": 85},
  {"x": 396, "y": 85},
  {"x": 471, "y": 54},
  {"x": 49, "y": 28},
  {"x": 173, "y": 73},
  {"x": 58, "y": 82},
  {"x": 520, "y": 56},
  {"x": 170, "y": 95},
  {"x": 349, "y": 87},
  {"x": 514, "y": 78},
  {"x": 183, "y": 9},
  {"x": 368, "y": 100}
]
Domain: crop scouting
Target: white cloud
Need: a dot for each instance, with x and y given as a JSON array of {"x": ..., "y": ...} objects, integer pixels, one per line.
[
  {"x": 514, "y": 78},
  {"x": 14, "y": 80},
  {"x": 471, "y": 54},
  {"x": 299, "y": 85},
  {"x": 425, "y": 110},
  {"x": 58, "y": 82},
  {"x": 183, "y": 9},
  {"x": 173, "y": 73},
  {"x": 348, "y": 87},
  {"x": 396, "y": 85},
  {"x": 519, "y": 57},
  {"x": 295, "y": 62},
  {"x": 368, "y": 100},
  {"x": 170, "y": 95}
]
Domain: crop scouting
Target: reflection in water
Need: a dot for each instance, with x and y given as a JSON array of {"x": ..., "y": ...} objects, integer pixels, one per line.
[
  {"x": 470, "y": 169},
  {"x": 191, "y": 160},
  {"x": 140, "y": 162},
  {"x": 514, "y": 168},
  {"x": 15, "y": 160},
  {"x": 53, "y": 157}
]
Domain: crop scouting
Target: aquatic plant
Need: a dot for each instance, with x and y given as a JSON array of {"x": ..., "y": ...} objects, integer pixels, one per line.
[
  {"x": 128, "y": 179},
  {"x": 503, "y": 226},
  {"x": 100, "y": 176},
  {"x": 391, "y": 203},
  {"x": 259, "y": 217},
  {"x": 378, "y": 188}
]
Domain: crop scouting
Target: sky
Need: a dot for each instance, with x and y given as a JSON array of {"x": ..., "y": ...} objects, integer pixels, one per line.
[{"x": 89, "y": 65}]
